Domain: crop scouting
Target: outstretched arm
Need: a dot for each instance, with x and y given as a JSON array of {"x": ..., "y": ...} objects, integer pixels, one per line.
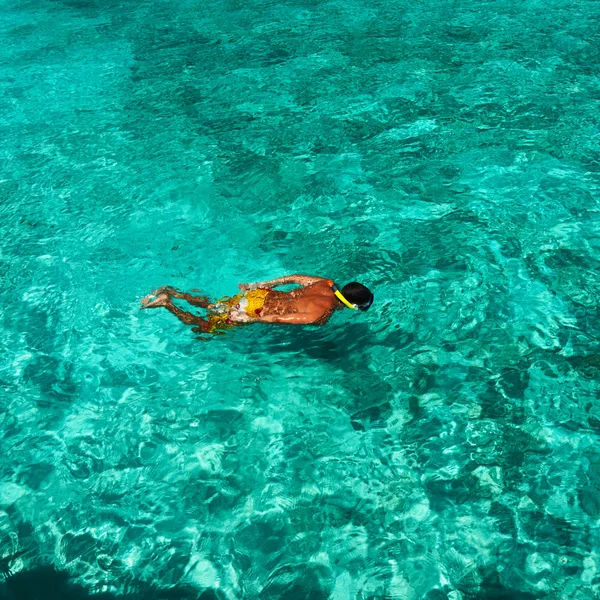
[{"x": 302, "y": 280}]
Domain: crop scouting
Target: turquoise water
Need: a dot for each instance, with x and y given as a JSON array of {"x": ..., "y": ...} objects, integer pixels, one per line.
[{"x": 446, "y": 154}]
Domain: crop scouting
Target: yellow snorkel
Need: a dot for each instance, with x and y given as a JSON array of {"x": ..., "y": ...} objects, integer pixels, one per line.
[{"x": 340, "y": 296}]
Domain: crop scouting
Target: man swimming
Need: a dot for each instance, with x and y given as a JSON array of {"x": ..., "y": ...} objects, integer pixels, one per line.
[{"x": 312, "y": 303}]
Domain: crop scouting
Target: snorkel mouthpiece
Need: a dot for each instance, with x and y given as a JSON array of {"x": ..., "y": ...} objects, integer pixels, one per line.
[{"x": 336, "y": 290}]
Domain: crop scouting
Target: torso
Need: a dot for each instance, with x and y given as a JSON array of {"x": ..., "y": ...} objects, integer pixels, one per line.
[{"x": 316, "y": 299}]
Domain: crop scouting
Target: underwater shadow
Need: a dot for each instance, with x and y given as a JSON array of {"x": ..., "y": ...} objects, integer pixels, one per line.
[
  {"x": 344, "y": 352},
  {"x": 340, "y": 347}
]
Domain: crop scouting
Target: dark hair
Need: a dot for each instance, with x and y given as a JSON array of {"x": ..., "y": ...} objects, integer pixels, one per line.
[{"x": 358, "y": 294}]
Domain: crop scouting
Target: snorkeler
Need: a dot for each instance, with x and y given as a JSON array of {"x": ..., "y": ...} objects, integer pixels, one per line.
[{"x": 312, "y": 303}]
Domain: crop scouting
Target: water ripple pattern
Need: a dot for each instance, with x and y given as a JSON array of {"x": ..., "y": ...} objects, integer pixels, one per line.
[{"x": 447, "y": 154}]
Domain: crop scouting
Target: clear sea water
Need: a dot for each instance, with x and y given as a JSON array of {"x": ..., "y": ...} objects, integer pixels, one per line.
[{"x": 447, "y": 154}]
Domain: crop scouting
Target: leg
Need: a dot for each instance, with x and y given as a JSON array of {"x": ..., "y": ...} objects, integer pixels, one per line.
[
  {"x": 188, "y": 318},
  {"x": 201, "y": 301},
  {"x": 164, "y": 300}
]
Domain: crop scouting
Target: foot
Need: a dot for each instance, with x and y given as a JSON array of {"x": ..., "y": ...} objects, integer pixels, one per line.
[{"x": 154, "y": 301}]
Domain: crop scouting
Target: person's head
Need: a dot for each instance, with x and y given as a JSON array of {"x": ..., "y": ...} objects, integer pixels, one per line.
[{"x": 357, "y": 293}]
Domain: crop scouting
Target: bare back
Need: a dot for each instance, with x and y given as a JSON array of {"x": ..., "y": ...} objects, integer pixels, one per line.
[{"x": 316, "y": 302}]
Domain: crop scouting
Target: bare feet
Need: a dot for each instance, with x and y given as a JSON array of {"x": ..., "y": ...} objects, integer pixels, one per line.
[{"x": 156, "y": 299}]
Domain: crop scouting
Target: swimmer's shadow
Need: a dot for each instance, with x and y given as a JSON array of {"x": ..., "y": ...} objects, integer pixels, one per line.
[{"x": 339, "y": 347}]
